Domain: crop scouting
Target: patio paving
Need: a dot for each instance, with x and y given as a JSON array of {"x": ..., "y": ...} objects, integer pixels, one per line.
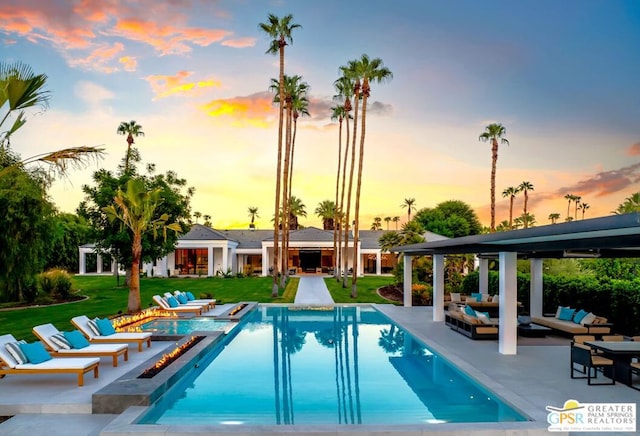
[{"x": 536, "y": 377}]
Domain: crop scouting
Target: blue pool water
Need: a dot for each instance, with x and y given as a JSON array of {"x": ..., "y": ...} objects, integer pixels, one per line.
[
  {"x": 172, "y": 326},
  {"x": 350, "y": 365}
]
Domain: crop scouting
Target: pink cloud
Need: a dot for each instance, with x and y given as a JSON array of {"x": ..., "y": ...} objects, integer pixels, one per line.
[
  {"x": 255, "y": 110},
  {"x": 634, "y": 149},
  {"x": 239, "y": 42},
  {"x": 129, "y": 63},
  {"x": 99, "y": 58},
  {"x": 165, "y": 86}
]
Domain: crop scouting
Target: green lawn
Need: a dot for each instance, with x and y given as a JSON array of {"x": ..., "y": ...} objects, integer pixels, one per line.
[{"x": 106, "y": 299}]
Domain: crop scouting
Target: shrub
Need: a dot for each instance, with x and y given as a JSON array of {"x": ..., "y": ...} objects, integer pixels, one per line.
[
  {"x": 421, "y": 294},
  {"x": 56, "y": 283}
]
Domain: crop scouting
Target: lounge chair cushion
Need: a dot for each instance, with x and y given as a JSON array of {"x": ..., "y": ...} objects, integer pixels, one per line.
[
  {"x": 566, "y": 314},
  {"x": 172, "y": 302},
  {"x": 588, "y": 318},
  {"x": 13, "y": 348},
  {"x": 191, "y": 297},
  {"x": 35, "y": 352},
  {"x": 470, "y": 300},
  {"x": 61, "y": 341},
  {"x": 182, "y": 298},
  {"x": 579, "y": 315},
  {"x": 105, "y": 326},
  {"x": 76, "y": 339},
  {"x": 93, "y": 326}
]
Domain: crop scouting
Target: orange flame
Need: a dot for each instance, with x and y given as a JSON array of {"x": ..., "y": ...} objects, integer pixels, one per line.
[
  {"x": 176, "y": 351},
  {"x": 125, "y": 323}
]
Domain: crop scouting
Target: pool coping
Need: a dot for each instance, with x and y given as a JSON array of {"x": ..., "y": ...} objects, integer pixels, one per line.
[{"x": 127, "y": 422}]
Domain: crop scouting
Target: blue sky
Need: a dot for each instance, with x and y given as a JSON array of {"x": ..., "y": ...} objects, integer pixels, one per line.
[{"x": 561, "y": 76}]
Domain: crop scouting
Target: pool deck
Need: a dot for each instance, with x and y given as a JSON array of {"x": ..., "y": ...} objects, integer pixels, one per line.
[{"x": 538, "y": 376}]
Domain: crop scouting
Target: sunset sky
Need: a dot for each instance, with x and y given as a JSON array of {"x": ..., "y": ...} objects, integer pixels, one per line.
[{"x": 561, "y": 76}]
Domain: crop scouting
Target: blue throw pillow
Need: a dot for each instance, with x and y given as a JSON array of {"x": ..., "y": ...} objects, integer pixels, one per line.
[
  {"x": 477, "y": 296},
  {"x": 469, "y": 311},
  {"x": 190, "y": 296},
  {"x": 76, "y": 339},
  {"x": 182, "y": 299},
  {"x": 35, "y": 352},
  {"x": 105, "y": 327},
  {"x": 566, "y": 314},
  {"x": 579, "y": 315},
  {"x": 172, "y": 302}
]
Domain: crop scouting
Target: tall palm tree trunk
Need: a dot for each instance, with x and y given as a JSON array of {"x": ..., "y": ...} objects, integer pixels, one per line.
[
  {"x": 526, "y": 200},
  {"x": 336, "y": 230},
  {"x": 356, "y": 254},
  {"x": 343, "y": 249},
  {"x": 511, "y": 212},
  {"x": 276, "y": 219},
  {"x": 133, "y": 304},
  {"x": 494, "y": 163},
  {"x": 285, "y": 201},
  {"x": 353, "y": 160}
]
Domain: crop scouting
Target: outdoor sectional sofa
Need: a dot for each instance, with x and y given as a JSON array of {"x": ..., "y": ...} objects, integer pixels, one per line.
[
  {"x": 471, "y": 326},
  {"x": 591, "y": 325}
]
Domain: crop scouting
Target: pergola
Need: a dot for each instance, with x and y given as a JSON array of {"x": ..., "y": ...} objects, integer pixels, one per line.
[{"x": 613, "y": 236}]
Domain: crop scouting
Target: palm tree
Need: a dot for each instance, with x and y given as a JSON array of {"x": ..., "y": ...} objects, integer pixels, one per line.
[
  {"x": 576, "y": 203},
  {"x": 326, "y": 210},
  {"x": 510, "y": 192},
  {"x": 279, "y": 30},
  {"x": 569, "y": 198},
  {"x": 22, "y": 89},
  {"x": 299, "y": 107},
  {"x": 504, "y": 225},
  {"x": 525, "y": 187},
  {"x": 410, "y": 204},
  {"x": 630, "y": 204},
  {"x": 296, "y": 209},
  {"x": 253, "y": 214},
  {"x": 337, "y": 113},
  {"x": 527, "y": 219},
  {"x": 584, "y": 207},
  {"x": 493, "y": 133},
  {"x": 554, "y": 217},
  {"x": 376, "y": 224},
  {"x": 136, "y": 208},
  {"x": 132, "y": 130},
  {"x": 207, "y": 221},
  {"x": 371, "y": 71},
  {"x": 197, "y": 215},
  {"x": 396, "y": 219},
  {"x": 387, "y": 219}
]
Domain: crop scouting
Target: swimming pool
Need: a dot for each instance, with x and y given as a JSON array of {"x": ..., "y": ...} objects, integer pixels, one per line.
[
  {"x": 173, "y": 326},
  {"x": 350, "y": 365}
]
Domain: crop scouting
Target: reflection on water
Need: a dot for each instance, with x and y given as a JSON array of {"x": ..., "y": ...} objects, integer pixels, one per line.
[{"x": 350, "y": 365}]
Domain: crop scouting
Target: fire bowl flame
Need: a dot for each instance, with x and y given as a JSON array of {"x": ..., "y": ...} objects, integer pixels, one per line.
[{"x": 168, "y": 358}]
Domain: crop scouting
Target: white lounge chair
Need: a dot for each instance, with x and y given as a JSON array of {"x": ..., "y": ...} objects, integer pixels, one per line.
[
  {"x": 79, "y": 366},
  {"x": 44, "y": 332},
  {"x": 210, "y": 301},
  {"x": 82, "y": 324},
  {"x": 206, "y": 305},
  {"x": 162, "y": 303}
]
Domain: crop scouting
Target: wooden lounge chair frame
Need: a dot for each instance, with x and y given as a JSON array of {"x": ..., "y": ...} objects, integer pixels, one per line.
[
  {"x": 197, "y": 310},
  {"x": 5, "y": 368},
  {"x": 78, "y": 352},
  {"x": 80, "y": 322}
]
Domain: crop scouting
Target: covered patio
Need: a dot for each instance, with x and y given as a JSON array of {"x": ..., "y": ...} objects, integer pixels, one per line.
[{"x": 607, "y": 237}]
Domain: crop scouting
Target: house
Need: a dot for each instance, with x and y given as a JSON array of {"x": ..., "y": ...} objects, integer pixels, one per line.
[{"x": 204, "y": 251}]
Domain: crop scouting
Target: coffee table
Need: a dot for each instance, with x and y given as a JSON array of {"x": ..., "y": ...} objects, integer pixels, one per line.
[{"x": 533, "y": 331}]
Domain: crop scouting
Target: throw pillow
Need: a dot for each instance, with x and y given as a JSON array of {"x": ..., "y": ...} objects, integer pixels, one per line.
[
  {"x": 93, "y": 327},
  {"x": 455, "y": 297},
  {"x": 484, "y": 317},
  {"x": 566, "y": 314},
  {"x": 469, "y": 311},
  {"x": 485, "y": 298},
  {"x": 495, "y": 298},
  {"x": 588, "y": 319},
  {"x": 190, "y": 296},
  {"x": 477, "y": 296},
  {"x": 172, "y": 302},
  {"x": 470, "y": 300},
  {"x": 35, "y": 352},
  {"x": 76, "y": 339},
  {"x": 182, "y": 298},
  {"x": 61, "y": 341},
  {"x": 560, "y": 310},
  {"x": 16, "y": 352},
  {"x": 579, "y": 315},
  {"x": 105, "y": 326}
]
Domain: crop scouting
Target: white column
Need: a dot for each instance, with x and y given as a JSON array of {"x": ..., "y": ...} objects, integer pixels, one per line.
[
  {"x": 82, "y": 267},
  {"x": 483, "y": 276},
  {"x": 378, "y": 263},
  {"x": 438, "y": 287},
  {"x": 210, "y": 271},
  {"x": 535, "y": 291},
  {"x": 99, "y": 264},
  {"x": 163, "y": 267},
  {"x": 225, "y": 259},
  {"x": 407, "y": 281},
  {"x": 508, "y": 332},
  {"x": 265, "y": 261}
]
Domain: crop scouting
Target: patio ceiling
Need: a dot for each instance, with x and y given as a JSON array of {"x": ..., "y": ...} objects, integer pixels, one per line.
[{"x": 611, "y": 236}]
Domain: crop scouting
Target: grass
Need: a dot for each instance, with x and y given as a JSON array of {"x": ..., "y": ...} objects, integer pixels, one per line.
[
  {"x": 106, "y": 299},
  {"x": 367, "y": 290}
]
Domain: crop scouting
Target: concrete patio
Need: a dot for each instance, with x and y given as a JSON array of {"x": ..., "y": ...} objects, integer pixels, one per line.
[{"x": 536, "y": 377}]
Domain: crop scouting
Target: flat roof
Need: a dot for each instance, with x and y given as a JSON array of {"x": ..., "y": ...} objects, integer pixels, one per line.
[{"x": 611, "y": 236}]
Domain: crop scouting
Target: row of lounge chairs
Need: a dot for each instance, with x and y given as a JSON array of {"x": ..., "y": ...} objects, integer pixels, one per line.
[
  {"x": 77, "y": 352},
  {"x": 183, "y": 302}
]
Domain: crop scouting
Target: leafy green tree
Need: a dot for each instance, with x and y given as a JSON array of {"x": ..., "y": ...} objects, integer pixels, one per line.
[
  {"x": 68, "y": 232},
  {"x": 279, "y": 30},
  {"x": 494, "y": 132},
  {"x": 136, "y": 208},
  {"x": 452, "y": 218}
]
